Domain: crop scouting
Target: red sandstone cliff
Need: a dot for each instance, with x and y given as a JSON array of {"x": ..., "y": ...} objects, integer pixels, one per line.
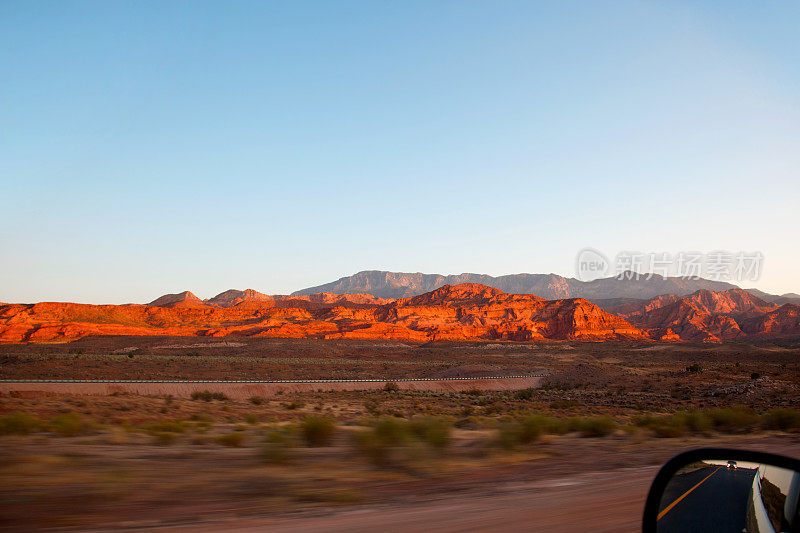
[
  {"x": 461, "y": 312},
  {"x": 701, "y": 316},
  {"x": 467, "y": 311}
]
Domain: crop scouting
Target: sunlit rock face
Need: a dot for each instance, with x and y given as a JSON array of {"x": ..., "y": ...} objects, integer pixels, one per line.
[
  {"x": 705, "y": 315},
  {"x": 461, "y": 312},
  {"x": 468, "y": 311}
]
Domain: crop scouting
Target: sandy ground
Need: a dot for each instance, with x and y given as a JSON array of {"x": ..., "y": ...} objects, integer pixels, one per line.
[
  {"x": 610, "y": 500},
  {"x": 596, "y": 501},
  {"x": 248, "y": 390}
]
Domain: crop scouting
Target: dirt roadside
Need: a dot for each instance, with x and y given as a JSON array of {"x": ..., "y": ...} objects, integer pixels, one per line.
[
  {"x": 591, "y": 487},
  {"x": 243, "y": 391}
]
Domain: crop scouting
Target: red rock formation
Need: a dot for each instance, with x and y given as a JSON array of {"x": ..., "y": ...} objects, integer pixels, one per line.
[
  {"x": 453, "y": 312},
  {"x": 233, "y": 297},
  {"x": 783, "y": 321},
  {"x": 182, "y": 299},
  {"x": 461, "y": 312},
  {"x": 702, "y": 316}
]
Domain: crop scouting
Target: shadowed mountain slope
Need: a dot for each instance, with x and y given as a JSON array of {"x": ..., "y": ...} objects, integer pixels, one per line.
[{"x": 549, "y": 286}]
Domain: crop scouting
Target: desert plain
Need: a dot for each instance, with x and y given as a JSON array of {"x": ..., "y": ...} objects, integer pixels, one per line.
[{"x": 575, "y": 448}]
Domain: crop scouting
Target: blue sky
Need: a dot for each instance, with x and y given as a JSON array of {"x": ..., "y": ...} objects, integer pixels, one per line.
[{"x": 152, "y": 147}]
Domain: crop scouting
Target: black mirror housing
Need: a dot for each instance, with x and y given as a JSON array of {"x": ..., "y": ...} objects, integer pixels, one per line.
[{"x": 738, "y": 467}]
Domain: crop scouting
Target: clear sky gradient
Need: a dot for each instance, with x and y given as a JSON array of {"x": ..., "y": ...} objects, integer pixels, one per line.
[{"x": 153, "y": 147}]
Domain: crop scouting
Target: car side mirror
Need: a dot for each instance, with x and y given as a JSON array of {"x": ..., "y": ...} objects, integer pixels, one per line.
[{"x": 718, "y": 489}]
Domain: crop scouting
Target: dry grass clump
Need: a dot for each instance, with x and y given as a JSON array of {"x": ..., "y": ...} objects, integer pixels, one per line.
[
  {"x": 675, "y": 425},
  {"x": 781, "y": 419},
  {"x": 393, "y": 441},
  {"x": 164, "y": 438},
  {"x": 596, "y": 426},
  {"x": 732, "y": 419},
  {"x": 735, "y": 419},
  {"x": 278, "y": 446},
  {"x": 513, "y": 433},
  {"x": 232, "y": 440},
  {"x": 207, "y": 396},
  {"x": 70, "y": 425},
  {"x": 165, "y": 426},
  {"x": 433, "y": 431},
  {"x": 317, "y": 431},
  {"x": 383, "y": 436},
  {"x": 19, "y": 423}
]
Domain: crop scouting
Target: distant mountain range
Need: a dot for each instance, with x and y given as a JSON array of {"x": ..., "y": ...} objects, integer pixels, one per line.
[
  {"x": 384, "y": 284},
  {"x": 431, "y": 307},
  {"x": 467, "y": 311}
]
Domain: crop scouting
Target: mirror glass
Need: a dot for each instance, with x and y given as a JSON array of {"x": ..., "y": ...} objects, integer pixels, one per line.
[{"x": 730, "y": 496}]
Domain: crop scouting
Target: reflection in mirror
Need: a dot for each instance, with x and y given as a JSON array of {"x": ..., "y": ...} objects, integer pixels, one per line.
[{"x": 730, "y": 496}]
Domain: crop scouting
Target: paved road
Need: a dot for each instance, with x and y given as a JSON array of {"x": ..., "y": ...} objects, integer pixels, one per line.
[{"x": 708, "y": 499}]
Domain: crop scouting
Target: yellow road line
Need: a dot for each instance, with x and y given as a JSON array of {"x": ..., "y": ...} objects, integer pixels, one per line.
[{"x": 673, "y": 504}]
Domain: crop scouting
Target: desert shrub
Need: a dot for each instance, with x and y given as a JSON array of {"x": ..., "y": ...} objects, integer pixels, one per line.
[
  {"x": 233, "y": 440},
  {"x": 19, "y": 423},
  {"x": 391, "y": 386},
  {"x": 508, "y": 434},
  {"x": 277, "y": 447},
  {"x": 755, "y": 375},
  {"x": 372, "y": 407},
  {"x": 207, "y": 396},
  {"x": 781, "y": 419},
  {"x": 164, "y": 438},
  {"x": 596, "y": 426},
  {"x": 70, "y": 425},
  {"x": 256, "y": 400},
  {"x": 644, "y": 421},
  {"x": 513, "y": 433},
  {"x": 317, "y": 431},
  {"x": 251, "y": 419},
  {"x": 731, "y": 419},
  {"x": 531, "y": 428},
  {"x": 565, "y": 404},
  {"x": 525, "y": 394},
  {"x": 669, "y": 427},
  {"x": 165, "y": 426},
  {"x": 696, "y": 421},
  {"x": 694, "y": 368},
  {"x": 555, "y": 426},
  {"x": 468, "y": 422},
  {"x": 381, "y": 438},
  {"x": 675, "y": 425},
  {"x": 473, "y": 392},
  {"x": 390, "y": 440},
  {"x": 431, "y": 430}
]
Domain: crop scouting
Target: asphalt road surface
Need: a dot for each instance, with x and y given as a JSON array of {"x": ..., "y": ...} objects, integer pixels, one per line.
[{"x": 708, "y": 499}]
